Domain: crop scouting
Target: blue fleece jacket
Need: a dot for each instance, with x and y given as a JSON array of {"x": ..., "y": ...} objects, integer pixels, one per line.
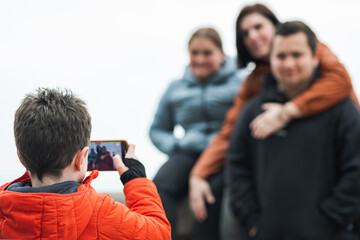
[{"x": 197, "y": 106}]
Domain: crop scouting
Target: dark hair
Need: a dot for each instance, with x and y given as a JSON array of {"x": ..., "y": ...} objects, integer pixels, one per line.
[
  {"x": 50, "y": 127},
  {"x": 244, "y": 57},
  {"x": 293, "y": 27},
  {"x": 209, "y": 33}
]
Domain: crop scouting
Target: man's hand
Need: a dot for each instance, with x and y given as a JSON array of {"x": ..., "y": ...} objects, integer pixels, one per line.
[
  {"x": 199, "y": 192},
  {"x": 119, "y": 164},
  {"x": 253, "y": 231},
  {"x": 270, "y": 121}
]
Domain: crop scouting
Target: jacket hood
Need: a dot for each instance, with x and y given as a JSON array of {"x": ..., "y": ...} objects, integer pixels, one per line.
[
  {"x": 228, "y": 68},
  {"x": 33, "y": 213}
]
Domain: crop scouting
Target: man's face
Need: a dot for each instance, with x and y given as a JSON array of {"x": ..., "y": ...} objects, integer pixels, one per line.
[{"x": 292, "y": 61}]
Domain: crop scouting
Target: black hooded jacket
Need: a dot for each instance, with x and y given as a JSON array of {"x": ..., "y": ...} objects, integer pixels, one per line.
[{"x": 302, "y": 182}]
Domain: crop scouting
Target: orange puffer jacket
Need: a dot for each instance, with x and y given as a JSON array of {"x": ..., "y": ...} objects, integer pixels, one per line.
[{"x": 84, "y": 214}]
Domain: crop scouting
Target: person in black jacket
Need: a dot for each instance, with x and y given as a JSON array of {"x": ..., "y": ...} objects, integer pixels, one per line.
[{"x": 302, "y": 182}]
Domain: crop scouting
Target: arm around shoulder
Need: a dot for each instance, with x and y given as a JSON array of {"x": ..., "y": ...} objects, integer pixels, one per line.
[{"x": 333, "y": 86}]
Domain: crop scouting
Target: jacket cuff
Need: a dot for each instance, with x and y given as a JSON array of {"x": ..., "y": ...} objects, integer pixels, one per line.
[
  {"x": 302, "y": 106},
  {"x": 136, "y": 170}
]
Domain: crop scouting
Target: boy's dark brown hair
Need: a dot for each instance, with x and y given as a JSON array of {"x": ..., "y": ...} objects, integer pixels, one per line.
[{"x": 50, "y": 127}]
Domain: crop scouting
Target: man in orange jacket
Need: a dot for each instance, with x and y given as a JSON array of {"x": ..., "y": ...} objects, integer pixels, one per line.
[{"x": 52, "y": 200}]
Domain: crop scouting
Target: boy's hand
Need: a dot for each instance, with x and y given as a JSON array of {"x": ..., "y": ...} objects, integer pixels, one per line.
[
  {"x": 130, "y": 152},
  {"x": 130, "y": 167},
  {"x": 119, "y": 164}
]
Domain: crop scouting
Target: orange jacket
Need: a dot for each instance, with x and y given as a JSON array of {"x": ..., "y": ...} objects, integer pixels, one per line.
[
  {"x": 84, "y": 214},
  {"x": 333, "y": 86}
]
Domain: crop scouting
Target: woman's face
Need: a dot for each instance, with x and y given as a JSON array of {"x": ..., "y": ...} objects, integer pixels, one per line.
[
  {"x": 258, "y": 32},
  {"x": 205, "y": 57},
  {"x": 103, "y": 150}
]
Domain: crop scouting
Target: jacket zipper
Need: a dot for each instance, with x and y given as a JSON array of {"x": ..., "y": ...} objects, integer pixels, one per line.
[{"x": 205, "y": 113}]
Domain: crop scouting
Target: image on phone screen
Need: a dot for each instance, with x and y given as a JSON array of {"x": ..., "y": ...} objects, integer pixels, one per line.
[{"x": 101, "y": 154}]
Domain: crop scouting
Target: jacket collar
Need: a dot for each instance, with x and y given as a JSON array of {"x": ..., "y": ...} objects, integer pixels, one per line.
[
  {"x": 26, "y": 179},
  {"x": 270, "y": 92},
  {"x": 72, "y": 210},
  {"x": 227, "y": 68}
]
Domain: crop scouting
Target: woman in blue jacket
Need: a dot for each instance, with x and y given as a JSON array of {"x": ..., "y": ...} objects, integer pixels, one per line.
[{"x": 198, "y": 103}]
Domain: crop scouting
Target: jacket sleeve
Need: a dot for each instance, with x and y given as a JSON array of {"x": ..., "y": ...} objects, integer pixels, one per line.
[
  {"x": 213, "y": 157},
  {"x": 161, "y": 130},
  {"x": 144, "y": 218},
  {"x": 343, "y": 205},
  {"x": 332, "y": 87},
  {"x": 240, "y": 175}
]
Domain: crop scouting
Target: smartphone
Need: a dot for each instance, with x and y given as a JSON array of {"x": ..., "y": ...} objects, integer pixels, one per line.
[{"x": 101, "y": 153}]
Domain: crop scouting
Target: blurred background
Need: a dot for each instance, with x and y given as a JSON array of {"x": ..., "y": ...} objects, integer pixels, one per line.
[{"x": 120, "y": 56}]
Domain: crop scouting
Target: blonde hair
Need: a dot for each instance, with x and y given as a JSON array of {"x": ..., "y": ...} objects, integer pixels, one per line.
[{"x": 208, "y": 33}]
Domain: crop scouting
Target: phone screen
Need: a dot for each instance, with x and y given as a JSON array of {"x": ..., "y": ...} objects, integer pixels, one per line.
[{"x": 101, "y": 153}]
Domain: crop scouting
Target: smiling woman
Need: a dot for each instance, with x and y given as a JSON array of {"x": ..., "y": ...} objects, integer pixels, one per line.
[
  {"x": 206, "y": 54},
  {"x": 198, "y": 103},
  {"x": 257, "y": 32}
]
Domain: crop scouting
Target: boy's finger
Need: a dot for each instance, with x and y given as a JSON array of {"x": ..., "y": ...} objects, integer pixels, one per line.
[
  {"x": 131, "y": 152},
  {"x": 119, "y": 164},
  {"x": 118, "y": 161},
  {"x": 131, "y": 149}
]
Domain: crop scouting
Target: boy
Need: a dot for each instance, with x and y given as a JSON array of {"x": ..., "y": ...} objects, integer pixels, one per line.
[{"x": 52, "y": 200}]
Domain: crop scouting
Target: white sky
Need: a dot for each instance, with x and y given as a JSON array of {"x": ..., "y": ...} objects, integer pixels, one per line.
[{"x": 119, "y": 56}]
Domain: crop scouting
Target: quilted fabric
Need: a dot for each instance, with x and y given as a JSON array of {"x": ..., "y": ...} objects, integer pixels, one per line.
[{"x": 84, "y": 214}]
